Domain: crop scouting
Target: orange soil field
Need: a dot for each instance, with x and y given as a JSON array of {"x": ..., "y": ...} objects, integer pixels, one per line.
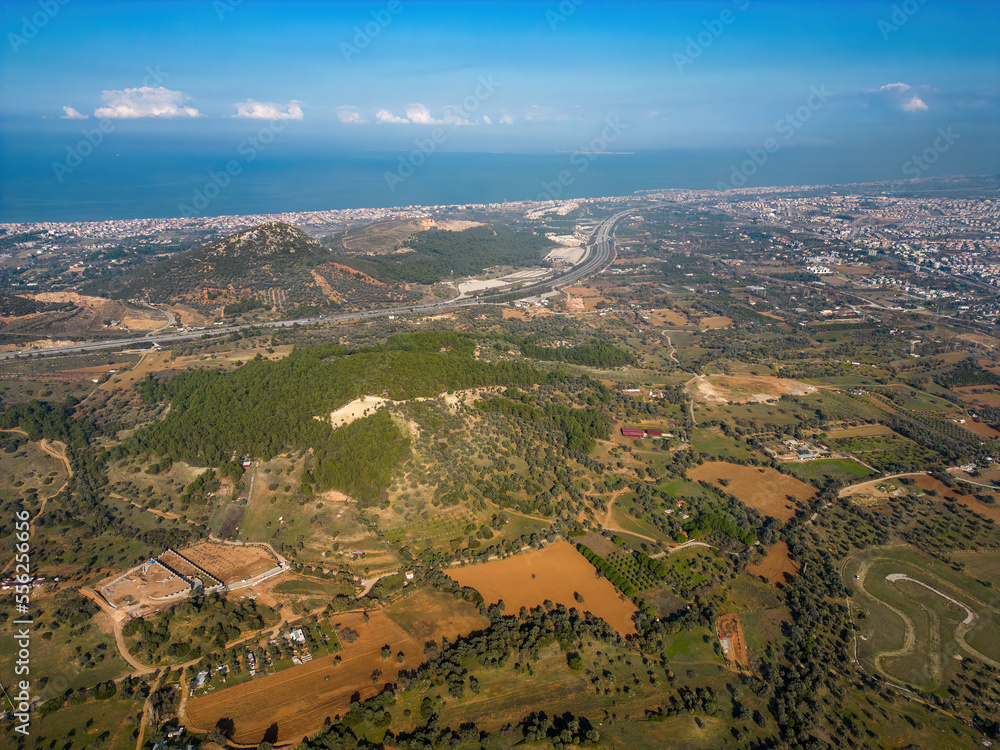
[
  {"x": 183, "y": 566},
  {"x": 230, "y": 563},
  {"x": 429, "y": 615},
  {"x": 991, "y": 512},
  {"x": 761, "y": 488},
  {"x": 716, "y": 321},
  {"x": 299, "y": 699},
  {"x": 729, "y": 626},
  {"x": 983, "y": 430},
  {"x": 778, "y": 567},
  {"x": 582, "y": 299},
  {"x": 553, "y": 573},
  {"x": 669, "y": 318}
]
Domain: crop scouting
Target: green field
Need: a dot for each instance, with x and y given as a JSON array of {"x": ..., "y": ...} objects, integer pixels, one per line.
[
  {"x": 711, "y": 441},
  {"x": 911, "y": 634},
  {"x": 829, "y": 469}
]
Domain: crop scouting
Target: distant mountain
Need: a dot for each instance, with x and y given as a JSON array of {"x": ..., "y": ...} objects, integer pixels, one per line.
[{"x": 274, "y": 264}]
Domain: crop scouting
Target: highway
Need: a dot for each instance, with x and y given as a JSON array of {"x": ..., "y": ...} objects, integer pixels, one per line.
[{"x": 602, "y": 252}]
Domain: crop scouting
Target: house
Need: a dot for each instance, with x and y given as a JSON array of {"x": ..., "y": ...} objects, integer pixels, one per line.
[
  {"x": 409, "y": 575},
  {"x": 633, "y": 432}
]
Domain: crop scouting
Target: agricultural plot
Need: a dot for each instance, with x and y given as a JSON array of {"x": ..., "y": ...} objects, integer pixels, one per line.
[
  {"x": 556, "y": 574},
  {"x": 825, "y": 470},
  {"x": 761, "y": 488},
  {"x": 920, "y": 617},
  {"x": 778, "y": 567},
  {"x": 231, "y": 563},
  {"x": 692, "y": 569},
  {"x": 711, "y": 441},
  {"x": 886, "y": 453},
  {"x": 297, "y": 701},
  {"x": 294, "y": 702},
  {"x": 635, "y": 573}
]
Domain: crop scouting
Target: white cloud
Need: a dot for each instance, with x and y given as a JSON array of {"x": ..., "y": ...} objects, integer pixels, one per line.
[
  {"x": 254, "y": 110},
  {"x": 903, "y": 97},
  {"x": 384, "y": 115},
  {"x": 350, "y": 114},
  {"x": 145, "y": 102},
  {"x": 506, "y": 119},
  {"x": 487, "y": 120},
  {"x": 420, "y": 115},
  {"x": 72, "y": 114}
]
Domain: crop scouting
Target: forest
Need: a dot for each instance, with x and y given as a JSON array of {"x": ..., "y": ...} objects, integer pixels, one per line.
[
  {"x": 439, "y": 255},
  {"x": 265, "y": 408}
]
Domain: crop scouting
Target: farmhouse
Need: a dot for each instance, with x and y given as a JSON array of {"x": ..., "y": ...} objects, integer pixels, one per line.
[{"x": 639, "y": 432}]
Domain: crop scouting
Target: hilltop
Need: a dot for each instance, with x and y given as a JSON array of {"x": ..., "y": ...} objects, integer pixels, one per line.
[{"x": 273, "y": 265}]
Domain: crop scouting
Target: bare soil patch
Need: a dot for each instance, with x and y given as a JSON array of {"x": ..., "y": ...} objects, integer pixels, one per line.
[
  {"x": 759, "y": 487},
  {"x": 742, "y": 389},
  {"x": 555, "y": 574},
  {"x": 147, "y": 585},
  {"x": 734, "y": 644},
  {"x": 231, "y": 563},
  {"x": 983, "y": 430},
  {"x": 778, "y": 567},
  {"x": 669, "y": 318},
  {"x": 716, "y": 321},
  {"x": 298, "y": 700},
  {"x": 582, "y": 299}
]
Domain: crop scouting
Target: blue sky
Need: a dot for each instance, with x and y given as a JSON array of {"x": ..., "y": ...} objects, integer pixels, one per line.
[{"x": 505, "y": 76}]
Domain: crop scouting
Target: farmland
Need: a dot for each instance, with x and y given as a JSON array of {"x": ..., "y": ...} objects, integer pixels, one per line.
[
  {"x": 778, "y": 566},
  {"x": 298, "y": 700},
  {"x": 761, "y": 488},
  {"x": 554, "y": 574}
]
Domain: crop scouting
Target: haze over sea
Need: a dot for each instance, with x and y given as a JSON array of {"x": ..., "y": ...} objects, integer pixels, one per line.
[{"x": 127, "y": 178}]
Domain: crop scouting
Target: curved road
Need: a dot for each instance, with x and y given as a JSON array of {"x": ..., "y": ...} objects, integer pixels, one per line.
[{"x": 603, "y": 252}]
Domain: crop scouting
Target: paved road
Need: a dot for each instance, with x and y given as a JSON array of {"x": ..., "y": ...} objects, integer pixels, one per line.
[{"x": 602, "y": 252}]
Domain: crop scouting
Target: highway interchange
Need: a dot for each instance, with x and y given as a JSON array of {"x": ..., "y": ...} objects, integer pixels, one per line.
[{"x": 600, "y": 253}]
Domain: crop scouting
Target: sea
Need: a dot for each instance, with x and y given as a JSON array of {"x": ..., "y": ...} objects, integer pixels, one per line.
[{"x": 123, "y": 179}]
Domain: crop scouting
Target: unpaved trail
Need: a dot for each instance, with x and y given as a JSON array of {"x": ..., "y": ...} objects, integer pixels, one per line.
[
  {"x": 160, "y": 513},
  {"x": 870, "y": 484},
  {"x": 56, "y": 453},
  {"x": 962, "y": 628},
  {"x": 673, "y": 349},
  {"x": 612, "y": 526},
  {"x": 909, "y": 638}
]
